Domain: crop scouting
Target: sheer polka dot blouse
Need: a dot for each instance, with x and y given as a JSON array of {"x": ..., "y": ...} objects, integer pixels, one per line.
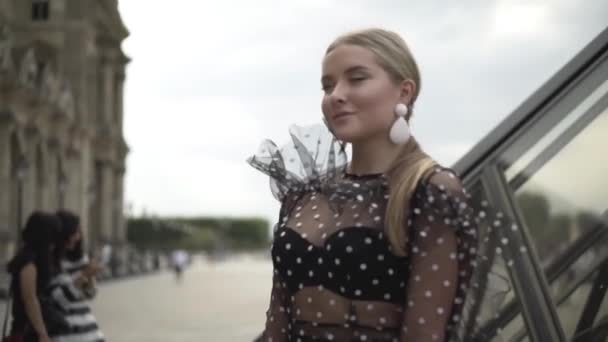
[{"x": 336, "y": 277}]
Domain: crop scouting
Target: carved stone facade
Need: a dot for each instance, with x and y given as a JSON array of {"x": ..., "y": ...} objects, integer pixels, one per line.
[{"x": 61, "y": 115}]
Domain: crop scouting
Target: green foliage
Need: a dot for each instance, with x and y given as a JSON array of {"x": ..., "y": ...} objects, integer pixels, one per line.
[
  {"x": 198, "y": 234},
  {"x": 551, "y": 232},
  {"x": 587, "y": 220},
  {"x": 247, "y": 233},
  {"x": 548, "y": 232},
  {"x": 151, "y": 233}
]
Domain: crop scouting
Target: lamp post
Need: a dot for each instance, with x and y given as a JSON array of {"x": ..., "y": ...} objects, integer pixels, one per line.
[
  {"x": 62, "y": 187},
  {"x": 20, "y": 172}
]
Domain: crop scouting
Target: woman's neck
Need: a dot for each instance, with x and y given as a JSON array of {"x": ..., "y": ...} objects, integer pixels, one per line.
[{"x": 373, "y": 156}]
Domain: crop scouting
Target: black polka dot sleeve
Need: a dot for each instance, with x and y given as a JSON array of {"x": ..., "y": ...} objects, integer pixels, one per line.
[
  {"x": 442, "y": 246},
  {"x": 277, "y": 315}
]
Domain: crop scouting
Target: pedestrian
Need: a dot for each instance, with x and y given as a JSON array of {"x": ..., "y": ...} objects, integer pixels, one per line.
[
  {"x": 381, "y": 247},
  {"x": 75, "y": 285},
  {"x": 179, "y": 260},
  {"x": 34, "y": 315}
]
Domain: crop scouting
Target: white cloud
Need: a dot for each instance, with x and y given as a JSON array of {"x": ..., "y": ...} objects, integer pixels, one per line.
[
  {"x": 520, "y": 18},
  {"x": 448, "y": 154},
  {"x": 209, "y": 80}
]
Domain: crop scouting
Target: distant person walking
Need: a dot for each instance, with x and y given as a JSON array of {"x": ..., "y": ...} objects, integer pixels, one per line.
[{"x": 179, "y": 261}]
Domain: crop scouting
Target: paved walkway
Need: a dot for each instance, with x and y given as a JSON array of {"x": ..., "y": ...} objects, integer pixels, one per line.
[{"x": 213, "y": 302}]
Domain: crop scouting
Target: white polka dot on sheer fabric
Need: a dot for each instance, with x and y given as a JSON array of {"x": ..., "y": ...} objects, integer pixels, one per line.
[{"x": 336, "y": 277}]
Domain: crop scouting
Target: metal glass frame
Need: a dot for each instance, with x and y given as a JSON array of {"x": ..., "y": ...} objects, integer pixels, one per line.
[{"x": 487, "y": 163}]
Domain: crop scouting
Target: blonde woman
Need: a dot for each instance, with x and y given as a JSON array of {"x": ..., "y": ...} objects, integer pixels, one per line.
[{"x": 378, "y": 248}]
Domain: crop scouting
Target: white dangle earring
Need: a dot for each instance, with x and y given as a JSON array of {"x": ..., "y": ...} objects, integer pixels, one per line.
[{"x": 400, "y": 131}]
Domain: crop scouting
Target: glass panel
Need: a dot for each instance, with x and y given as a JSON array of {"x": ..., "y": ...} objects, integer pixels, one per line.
[
  {"x": 603, "y": 312},
  {"x": 560, "y": 187},
  {"x": 543, "y": 142},
  {"x": 570, "y": 310},
  {"x": 499, "y": 286},
  {"x": 567, "y": 196},
  {"x": 514, "y": 329}
]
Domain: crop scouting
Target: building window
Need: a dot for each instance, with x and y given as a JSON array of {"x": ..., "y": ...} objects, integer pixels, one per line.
[{"x": 40, "y": 10}]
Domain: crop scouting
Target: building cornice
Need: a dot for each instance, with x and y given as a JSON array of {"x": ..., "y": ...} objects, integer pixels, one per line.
[{"x": 109, "y": 18}]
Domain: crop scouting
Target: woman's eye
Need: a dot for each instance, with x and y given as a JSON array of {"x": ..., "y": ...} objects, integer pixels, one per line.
[
  {"x": 326, "y": 88},
  {"x": 357, "y": 79}
]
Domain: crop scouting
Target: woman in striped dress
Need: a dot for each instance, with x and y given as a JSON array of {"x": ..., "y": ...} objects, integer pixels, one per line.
[{"x": 75, "y": 285}]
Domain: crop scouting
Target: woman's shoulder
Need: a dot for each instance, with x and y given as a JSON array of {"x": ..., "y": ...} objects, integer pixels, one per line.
[
  {"x": 443, "y": 179},
  {"x": 309, "y": 162},
  {"x": 19, "y": 261},
  {"x": 440, "y": 188}
]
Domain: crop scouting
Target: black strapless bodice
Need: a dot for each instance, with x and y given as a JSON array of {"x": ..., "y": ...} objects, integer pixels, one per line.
[{"x": 355, "y": 262}]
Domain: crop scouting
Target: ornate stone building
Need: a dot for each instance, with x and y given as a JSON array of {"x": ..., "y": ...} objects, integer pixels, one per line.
[{"x": 61, "y": 115}]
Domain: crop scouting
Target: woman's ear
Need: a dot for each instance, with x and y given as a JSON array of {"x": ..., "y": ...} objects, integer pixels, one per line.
[{"x": 408, "y": 89}]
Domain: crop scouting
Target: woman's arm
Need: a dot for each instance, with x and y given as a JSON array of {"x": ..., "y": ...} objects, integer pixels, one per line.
[
  {"x": 86, "y": 284},
  {"x": 85, "y": 276},
  {"x": 431, "y": 289},
  {"x": 28, "y": 277},
  {"x": 277, "y": 319},
  {"x": 277, "y": 315},
  {"x": 442, "y": 246}
]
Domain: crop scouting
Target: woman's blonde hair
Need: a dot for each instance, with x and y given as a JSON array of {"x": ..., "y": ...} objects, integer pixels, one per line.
[{"x": 412, "y": 164}]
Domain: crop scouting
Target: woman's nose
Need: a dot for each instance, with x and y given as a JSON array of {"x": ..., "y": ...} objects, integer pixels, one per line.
[{"x": 338, "y": 94}]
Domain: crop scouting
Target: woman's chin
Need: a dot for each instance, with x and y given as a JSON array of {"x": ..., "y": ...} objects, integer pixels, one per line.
[
  {"x": 347, "y": 134},
  {"x": 351, "y": 136}
]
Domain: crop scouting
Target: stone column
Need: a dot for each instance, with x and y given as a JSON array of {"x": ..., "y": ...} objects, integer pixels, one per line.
[
  {"x": 9, "y": 205},
  {"x": 108, "y": 92},
  {"x": 40, "y": 176},
  {"x": 119, "y": 221},
  {"x": 52, "y": 175},
  {"x": 6, "y": 185},
  {"x": 30, "y": 192},
  {"x": 85, "y": 193},
  {"x": 106, "y": 202},
  {"x": 7, "y": 214},
  {"x": 92, "y": 109},
  {"x": 100, "y": 95},
  {"x": 120, "y": 80},
  {"x": 73, "y": 177},
  {"x": 94, "y": 203}
]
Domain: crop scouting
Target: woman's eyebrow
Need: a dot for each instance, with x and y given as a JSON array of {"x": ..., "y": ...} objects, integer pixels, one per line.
[
  {"x": 325, "y": 78},
  {"x": 356, "y": 68}
]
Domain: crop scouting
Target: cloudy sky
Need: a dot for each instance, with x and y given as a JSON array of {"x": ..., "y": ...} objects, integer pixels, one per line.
[{"x": 210, "y": 79}]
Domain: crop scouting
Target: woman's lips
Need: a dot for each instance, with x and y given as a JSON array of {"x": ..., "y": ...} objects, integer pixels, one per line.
[{"x": 341, "y": 115}]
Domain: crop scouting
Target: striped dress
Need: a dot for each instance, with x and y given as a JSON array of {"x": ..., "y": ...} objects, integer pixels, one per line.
[{"x": 75, "y": 302}]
